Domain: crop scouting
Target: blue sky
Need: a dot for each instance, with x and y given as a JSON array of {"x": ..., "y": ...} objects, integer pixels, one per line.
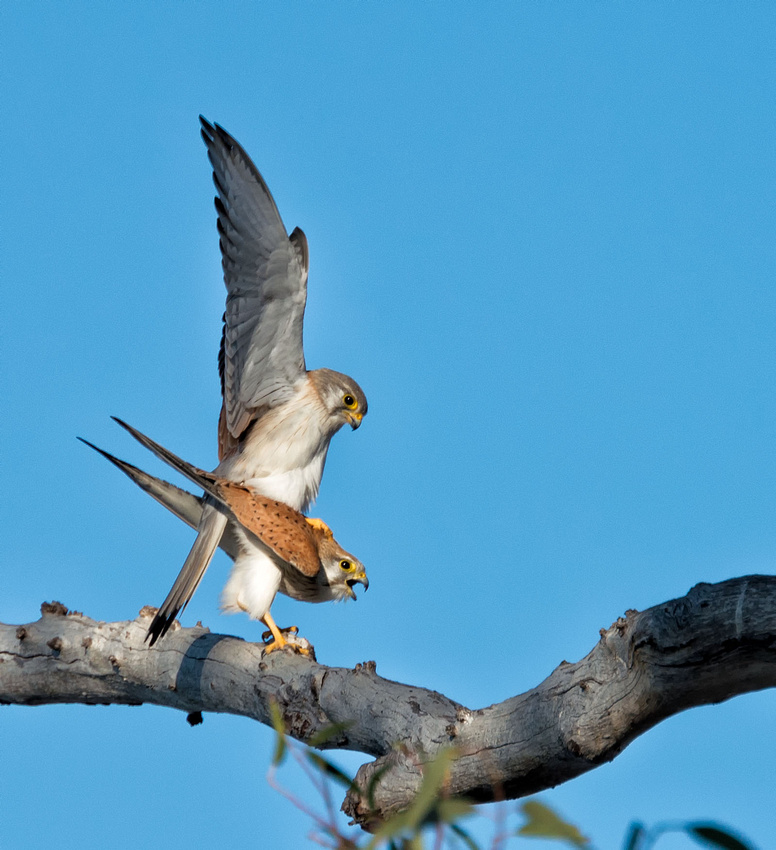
[{"x": 541, "y": 238}]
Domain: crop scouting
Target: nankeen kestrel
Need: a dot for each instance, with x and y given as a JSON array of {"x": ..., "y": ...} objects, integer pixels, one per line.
[
  {"x": 301, "y": 557},
  {"x": 277, "y": 418}
]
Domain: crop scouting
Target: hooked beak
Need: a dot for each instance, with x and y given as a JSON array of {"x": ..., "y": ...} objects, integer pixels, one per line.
[
  {"x": 357, "y": 579},
  {"x": 354, "y": 419}
]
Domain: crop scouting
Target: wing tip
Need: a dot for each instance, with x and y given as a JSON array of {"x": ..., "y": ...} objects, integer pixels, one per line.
[{"x": 214, "y": 134}]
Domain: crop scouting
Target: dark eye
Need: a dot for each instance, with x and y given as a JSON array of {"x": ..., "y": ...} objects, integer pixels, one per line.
[
  {"x": 349, "y": 401},
  {"x": 346, "y": 565}
]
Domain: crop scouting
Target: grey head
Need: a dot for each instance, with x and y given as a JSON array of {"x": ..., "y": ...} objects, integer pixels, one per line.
[
  {"x": 336, "y": 579},
  {"x": 341, "y": 572},
  {"x": 342, "y": 397}
]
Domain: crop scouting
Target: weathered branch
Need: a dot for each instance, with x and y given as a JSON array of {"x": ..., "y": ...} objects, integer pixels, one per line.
[{"x": 714, "y": 643}]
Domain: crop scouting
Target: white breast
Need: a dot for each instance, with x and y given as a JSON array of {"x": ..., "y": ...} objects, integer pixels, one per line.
[
  {"x": 284, "y": 453},
  {"x": 253, "y": 581}
]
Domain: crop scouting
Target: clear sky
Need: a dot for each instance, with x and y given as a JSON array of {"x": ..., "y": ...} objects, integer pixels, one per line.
[{"x": 541, "y": 238}]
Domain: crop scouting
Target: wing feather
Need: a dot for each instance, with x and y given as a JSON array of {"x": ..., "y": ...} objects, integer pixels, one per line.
[
  {"x": 277, "y": 525},
  {"x": 265, "y": 273}
]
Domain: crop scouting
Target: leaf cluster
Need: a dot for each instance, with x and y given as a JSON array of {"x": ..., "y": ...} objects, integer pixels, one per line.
[{"x": 436, "y": 817}]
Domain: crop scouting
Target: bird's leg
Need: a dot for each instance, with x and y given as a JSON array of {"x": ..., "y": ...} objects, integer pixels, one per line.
[
  {"x": 279, "y": 641},
  {"x": 274, "y": 632},
  {"x": 319, "y": 525},
  {"x": 278, "y": 637},
  {"x": 288, "y": 630}
]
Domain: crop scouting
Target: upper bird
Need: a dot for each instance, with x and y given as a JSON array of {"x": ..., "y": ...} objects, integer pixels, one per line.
[{"x": 277, "y": 419}]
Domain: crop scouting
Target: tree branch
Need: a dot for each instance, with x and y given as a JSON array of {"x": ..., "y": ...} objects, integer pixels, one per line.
[{"x": 714, "y": 643}]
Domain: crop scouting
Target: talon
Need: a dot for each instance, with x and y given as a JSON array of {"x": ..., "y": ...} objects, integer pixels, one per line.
[
  {"x": 274, "y": 645},
  {"x": 277, "y": 635},
  {"x": 275, "y": 639},
  {"x": 319, "y": 525},
  {"x": 289, "y": 630},
  {"x": 271, "y": 645}
]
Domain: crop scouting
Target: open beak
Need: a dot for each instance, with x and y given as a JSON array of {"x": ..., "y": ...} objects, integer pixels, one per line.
[
  {"x": 354, "y": 419},
  {"x": 358, "y": 579}
]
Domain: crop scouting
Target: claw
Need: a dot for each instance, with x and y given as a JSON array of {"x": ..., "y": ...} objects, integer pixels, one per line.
[
  {"x": 290, "y": 630},
  {"x": 319, "y": 525},
  {"x": 277, "y": 638}
]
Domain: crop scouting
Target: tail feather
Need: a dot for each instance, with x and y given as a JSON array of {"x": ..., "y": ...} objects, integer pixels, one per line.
[
  {"x": 210, "y": 529},
  {"x": 193, "y": 473},
  {"x": 183, "y": 504},
  {"x": 186, "y": 506},
  {"x": 212, "y": 524}
]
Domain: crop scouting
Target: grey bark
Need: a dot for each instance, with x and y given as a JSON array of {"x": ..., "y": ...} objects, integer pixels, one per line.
[{"x": 714, "y": 643}]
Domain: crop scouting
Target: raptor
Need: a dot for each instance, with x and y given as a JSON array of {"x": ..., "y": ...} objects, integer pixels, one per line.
[
  {"x": 277, "y": 418},
  {"x": 300, "y": 559}
]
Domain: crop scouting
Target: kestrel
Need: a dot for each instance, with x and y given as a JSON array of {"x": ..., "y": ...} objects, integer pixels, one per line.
[
  {"x": 277, "y": 418},
  {"x": 301, "y": 558}
]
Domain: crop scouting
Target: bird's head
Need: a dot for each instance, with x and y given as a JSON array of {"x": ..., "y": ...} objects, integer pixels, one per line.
[
  {"x": 342, "y": 570},
  {"x": 342, "y": 397}
]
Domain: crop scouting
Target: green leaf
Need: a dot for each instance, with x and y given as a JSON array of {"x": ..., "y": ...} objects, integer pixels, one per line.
[
  {"x": 714, "y": 836},
  {"x": 434, "y": 773},
  {"x": 331, "y": 770},
  {"x": 280, "y": 729},
  {"x": 392, "y": 827},
  {"x": 376, "y": 777},
  {"x": 325, "y": 735},
  {"x": 636, "y": 832},
  {"x": 543, "y": 822},
  {"x": 453, "y": 809}
]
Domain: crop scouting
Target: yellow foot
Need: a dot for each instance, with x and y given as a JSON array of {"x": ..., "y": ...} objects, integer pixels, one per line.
[
  {"x": 284, "y": 637},
  {"x": 269, "y": 636},
  {"x": 288, "y": 640},
  {"x": 301, "y": 648},
  {"x": 319, "y": 525},
  {"x": 273, "y": 645}
]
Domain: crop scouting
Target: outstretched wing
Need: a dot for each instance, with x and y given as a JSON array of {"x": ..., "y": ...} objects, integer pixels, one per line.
[{"x": 265, "y": 273}]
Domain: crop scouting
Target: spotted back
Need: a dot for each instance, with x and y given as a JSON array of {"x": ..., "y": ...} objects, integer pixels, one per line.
[{"x": 277, "y": 525}]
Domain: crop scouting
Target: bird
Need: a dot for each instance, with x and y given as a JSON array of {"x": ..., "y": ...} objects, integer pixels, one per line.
[
  {"x": 300, "y": 559},
  {"x": 277, "y": 418}
]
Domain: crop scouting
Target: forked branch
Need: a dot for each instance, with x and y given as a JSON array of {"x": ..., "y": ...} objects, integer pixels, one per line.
[{"x": 714, "y": 643}]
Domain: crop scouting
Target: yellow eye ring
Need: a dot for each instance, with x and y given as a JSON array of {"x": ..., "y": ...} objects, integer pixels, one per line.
[
  {"x": 347, "y": 566},
  {"x": 349, "y": 401}
]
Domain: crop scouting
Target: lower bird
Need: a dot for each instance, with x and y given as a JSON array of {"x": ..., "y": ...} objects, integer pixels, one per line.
[{"x": 275, "y": 548}]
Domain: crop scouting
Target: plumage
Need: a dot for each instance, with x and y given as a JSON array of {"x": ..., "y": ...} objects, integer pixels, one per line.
[
  {"x": 274, "y": 547},
  {"x": 186, "y": 506},
  {"x": 209, "y": 531},
  {"x": 265, "y": 273},
  {"x": 277, "y": 419}
]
